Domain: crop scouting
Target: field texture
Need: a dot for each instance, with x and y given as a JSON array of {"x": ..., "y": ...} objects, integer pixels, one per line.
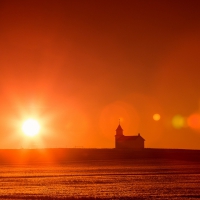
[{"x": 102, "y": 179}]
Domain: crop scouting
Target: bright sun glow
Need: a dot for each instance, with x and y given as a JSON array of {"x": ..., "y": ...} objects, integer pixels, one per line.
[{"x": 31, "y": 127}]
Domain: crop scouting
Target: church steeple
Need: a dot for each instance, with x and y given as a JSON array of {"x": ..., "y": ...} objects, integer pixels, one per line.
[{"x": 119, "y": 130}]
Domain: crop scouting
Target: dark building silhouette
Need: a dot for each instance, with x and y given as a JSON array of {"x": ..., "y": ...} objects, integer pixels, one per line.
[{"x": 128, "y": 142}]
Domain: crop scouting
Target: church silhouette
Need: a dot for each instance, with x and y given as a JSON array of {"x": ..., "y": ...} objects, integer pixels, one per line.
[{"x": 128, "y": 142}]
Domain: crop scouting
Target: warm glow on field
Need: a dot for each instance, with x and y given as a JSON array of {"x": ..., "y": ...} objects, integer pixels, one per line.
[{"x": 31, "y": 127}]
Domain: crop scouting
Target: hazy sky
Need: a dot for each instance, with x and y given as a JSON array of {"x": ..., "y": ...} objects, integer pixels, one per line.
[{"x": 78, "y": 66}]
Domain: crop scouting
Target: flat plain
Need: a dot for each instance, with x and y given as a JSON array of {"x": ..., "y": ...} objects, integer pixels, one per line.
[{"x": 102, "y": 179}]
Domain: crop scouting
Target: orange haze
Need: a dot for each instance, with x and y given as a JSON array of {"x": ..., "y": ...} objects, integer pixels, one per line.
[{"x": 79, "y": 66}]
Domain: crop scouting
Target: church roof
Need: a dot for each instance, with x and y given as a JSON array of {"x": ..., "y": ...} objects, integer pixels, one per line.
[
  {"x": 119, "y": 128},
  {"x": 126, "y": 138}
]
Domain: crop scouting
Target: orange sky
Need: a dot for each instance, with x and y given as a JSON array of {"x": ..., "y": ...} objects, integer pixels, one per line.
[{"x": 79, "y": 66}]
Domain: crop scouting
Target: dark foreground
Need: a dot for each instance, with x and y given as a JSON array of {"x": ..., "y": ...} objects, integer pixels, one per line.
[
  {"x": 73, "y": 154},
  {"x": 99, "y": 174},
  {"x": 102, "y": 179}
]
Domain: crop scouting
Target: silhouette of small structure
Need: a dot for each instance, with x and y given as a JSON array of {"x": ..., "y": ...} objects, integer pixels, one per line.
[{"x": 128, "y": 142}]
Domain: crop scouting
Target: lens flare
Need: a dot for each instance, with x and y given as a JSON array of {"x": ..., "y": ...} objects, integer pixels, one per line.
[
  {"x": 178, "y": 121},
  {"x": 193, "y": 121},
  {"x": 156, "y": 117}
]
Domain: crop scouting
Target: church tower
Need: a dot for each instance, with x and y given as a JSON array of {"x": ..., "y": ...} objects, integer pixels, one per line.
[
  {"x": 119, "y": 131},
  {"x": 119, "y": 135}
]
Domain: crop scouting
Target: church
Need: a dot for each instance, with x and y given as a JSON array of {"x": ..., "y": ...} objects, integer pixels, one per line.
[{"x": 128, "y": 142}]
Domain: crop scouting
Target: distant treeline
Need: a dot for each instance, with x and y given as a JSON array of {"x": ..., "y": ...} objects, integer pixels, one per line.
[{"x": 62, "y": 155}]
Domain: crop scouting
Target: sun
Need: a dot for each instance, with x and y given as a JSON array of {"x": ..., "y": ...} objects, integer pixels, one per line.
[{"x": 31, "y": 127}]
